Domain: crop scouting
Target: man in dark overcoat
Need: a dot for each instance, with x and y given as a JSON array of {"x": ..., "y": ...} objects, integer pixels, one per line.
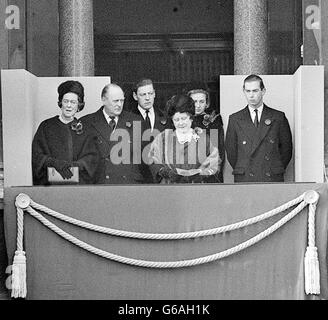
[
  {"x": 258, "y": 139},
  {"x": 152, "y": 121},
  {"x": 112, "y": 129}
]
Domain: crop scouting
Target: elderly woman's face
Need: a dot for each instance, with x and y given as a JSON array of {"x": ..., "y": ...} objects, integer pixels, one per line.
[
  {"x": 70, "y": 105},
  {"x": 182, "y": 122},
  {"x": 200, "y": 102}
]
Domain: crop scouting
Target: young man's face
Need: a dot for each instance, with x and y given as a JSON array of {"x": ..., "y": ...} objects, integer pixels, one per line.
[
  {"x": 254, "y": 94},
  {"x": 145, "y": 96}
]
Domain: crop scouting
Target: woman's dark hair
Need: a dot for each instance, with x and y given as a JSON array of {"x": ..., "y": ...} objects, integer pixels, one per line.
[
  {"x": 73, "y": 87},
  {"x": 180, "y": 103}
]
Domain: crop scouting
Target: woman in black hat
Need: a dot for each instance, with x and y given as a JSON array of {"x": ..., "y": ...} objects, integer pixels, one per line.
[{"x": 61, "y": 145}]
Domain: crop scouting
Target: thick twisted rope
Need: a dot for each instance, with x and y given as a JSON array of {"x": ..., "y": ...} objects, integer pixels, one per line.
[
  {"x": 165, "y": 236},
  {"x": 311, "y": 225},
  {"x": 173, "y": 264},
  {"x": 20, "y": 229},
  {"x": 18, "y": 283}
]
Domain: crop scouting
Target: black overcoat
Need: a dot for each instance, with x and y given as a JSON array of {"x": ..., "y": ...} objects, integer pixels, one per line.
[
  {"x": 58, "y": 140},
  {"x": 259, "y": 154},
  {"x": 118, "y": 163},
  {"x": 161, "y": 123}
]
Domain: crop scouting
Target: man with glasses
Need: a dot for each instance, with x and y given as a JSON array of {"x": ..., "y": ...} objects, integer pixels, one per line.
[
  {"x": 152, "y": 121},
  {"x": 112, "y": 129},
  {"x": 258, "y": 139}
]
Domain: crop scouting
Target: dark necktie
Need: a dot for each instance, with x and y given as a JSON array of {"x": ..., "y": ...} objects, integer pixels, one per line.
[
  {"x": 256, "y": 121},
  {"x": 112, "y": 123},
  {"x": 147, "y": 120}
]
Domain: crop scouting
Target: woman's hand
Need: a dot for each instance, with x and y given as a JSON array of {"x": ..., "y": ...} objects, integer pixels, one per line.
[{"x": 62, "y": 166}]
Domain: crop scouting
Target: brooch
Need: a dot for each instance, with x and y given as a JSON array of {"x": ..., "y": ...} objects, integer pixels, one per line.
[
  {"x": 198, "y": 130},
  {"x": 163, "y": 122},
  {"x": 209, "y": 118},
  {"x": 196, "y": 133},
  {"x": 128, "y": 124},
  {"x": 267, "y": 122},
  {"x": 77, "y": 127}
]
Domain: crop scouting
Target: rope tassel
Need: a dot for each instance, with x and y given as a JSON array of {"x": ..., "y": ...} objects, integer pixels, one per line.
[
  {"x": 18, "y": 276},
  {"x": 311, "y": 260},
  {"x": 312, "y": 271},
  {"x": 18, "y": 284}
]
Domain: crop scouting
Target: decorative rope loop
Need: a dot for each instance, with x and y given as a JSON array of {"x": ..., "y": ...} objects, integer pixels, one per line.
[
  {"x": 165, "y": 236},
  {"x": 23, "y": 202},
  {"x": 175, "y": 264}
]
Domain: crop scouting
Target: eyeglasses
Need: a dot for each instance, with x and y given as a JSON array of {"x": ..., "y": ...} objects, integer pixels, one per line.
[{"x": 73, "y": 102}]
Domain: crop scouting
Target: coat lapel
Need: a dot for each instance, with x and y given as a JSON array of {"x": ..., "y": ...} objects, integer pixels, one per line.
[
  {"x": 263, "y": 129},
  {"x": 160, "y": 120},
  {"x": 245, "y": 124},
  {"x": 101, "y": 125},
  {"x": 137, "y": 113},
  {"x": 123, "y": 121}
]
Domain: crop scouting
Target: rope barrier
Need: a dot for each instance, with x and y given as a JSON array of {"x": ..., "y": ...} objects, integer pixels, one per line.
[
  {"x": 312, "y": 274},
  {"x": 175, "y": 264},
  {"x": 165, "y": 236}
]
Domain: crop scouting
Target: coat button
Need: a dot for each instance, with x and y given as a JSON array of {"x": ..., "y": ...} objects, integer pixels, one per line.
[
  {"x": 107, "y": 177},
  {"x": 244, "y": 142},
  {"x": 267, "y": 158},
  {"x": 268, "y": 174}
]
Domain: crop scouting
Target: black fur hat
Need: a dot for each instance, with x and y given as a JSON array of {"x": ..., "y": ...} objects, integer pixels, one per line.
[
  {"x": 180, "y": 103},
  {"x": 73, "y": 87}
]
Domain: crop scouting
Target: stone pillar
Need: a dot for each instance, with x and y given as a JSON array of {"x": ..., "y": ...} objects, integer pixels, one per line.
[
  {"x": 324, "y": 60},
  {"x": 250, "y": 37},
  {"x": 76, "y": 44},
  {"x": 315, "y": 49}
]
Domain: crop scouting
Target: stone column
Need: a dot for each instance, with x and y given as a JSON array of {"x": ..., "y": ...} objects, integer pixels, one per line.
[
  {"x": 315, "y": 49},
  {"x": 324, "y": 61},
  {"x": 251, "y": 37},
  {"x": 76, "y": 44}
]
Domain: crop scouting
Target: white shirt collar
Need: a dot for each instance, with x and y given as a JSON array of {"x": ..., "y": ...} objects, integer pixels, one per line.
[
  {"x": 151, "y": 115},
  {"x": 107, "y": 117},
  {"x": 143, "y": 111},
  {"x": 259, "y": 113}
]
